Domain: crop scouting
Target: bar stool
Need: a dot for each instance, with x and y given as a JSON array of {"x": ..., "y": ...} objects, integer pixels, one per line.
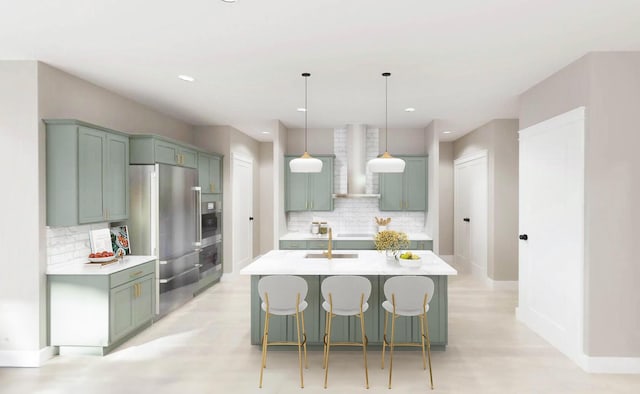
[
  {"x": 283, "y": 295},
  {"x": 345, "y": 296},
  {"x": 407, "y": 296}
]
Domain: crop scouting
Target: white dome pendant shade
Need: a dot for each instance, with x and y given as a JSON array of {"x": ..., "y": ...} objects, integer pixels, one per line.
[
  {"x": 386, "y": 163},
  {"x": 305, "y": 163}
]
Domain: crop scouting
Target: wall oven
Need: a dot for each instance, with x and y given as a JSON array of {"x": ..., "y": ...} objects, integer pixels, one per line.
[{"x": 211, "y": 245}]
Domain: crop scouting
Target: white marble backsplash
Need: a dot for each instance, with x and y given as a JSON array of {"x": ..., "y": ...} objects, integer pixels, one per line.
[
  {"x": 356, "y": 215},
  {"x": 70, "y": 244}
]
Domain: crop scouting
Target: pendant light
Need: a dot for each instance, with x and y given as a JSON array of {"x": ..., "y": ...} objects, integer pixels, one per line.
[
  {"x": 386, "y": 163},
  {"x": 305, "y": 163}
]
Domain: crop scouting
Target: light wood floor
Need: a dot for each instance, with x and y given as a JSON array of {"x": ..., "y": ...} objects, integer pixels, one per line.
[{"x": 204, "y": 348}]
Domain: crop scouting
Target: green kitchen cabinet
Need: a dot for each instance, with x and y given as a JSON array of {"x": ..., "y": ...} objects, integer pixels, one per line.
[
  {"x": 97, "y": 312},
  {"x": 405, "y": 191},
  {"x": 87, "y": 174},
  {"x": 309, "y": 192},
  {"x": 209, "y": 173},
  {"x": 151, "y": 149}
]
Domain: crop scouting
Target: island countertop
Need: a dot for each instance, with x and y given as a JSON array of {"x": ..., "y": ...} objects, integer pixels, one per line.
[{"x": 367, "y": 262}]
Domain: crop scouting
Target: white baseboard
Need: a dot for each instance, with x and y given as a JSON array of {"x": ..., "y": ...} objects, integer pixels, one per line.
[
  {"x": 503, "y": 284},
  {"x": 620, "y": 365},
  {"x": 27, "y": 358}
]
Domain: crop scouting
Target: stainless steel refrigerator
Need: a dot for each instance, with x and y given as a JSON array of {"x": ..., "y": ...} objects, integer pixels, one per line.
[{"x": 164, "y": 221}]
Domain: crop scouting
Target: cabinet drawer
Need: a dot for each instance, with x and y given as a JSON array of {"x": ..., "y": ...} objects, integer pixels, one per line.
[
  {"x": 319, "y": 244},
  {"x": 293, "y": 244},
  {"x": 132, "y": 273},
  {"x": 354, "y": 245}
]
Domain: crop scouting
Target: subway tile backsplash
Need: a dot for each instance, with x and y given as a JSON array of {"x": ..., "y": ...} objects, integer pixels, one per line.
[
  {"x": 70, "y": 244},
  {"x": 356, "y": 215}
]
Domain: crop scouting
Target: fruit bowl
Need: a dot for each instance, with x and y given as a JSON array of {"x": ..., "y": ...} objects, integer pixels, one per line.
[
  {"x": 101, "y": 259},
  {"x": 410, "y": 260}
]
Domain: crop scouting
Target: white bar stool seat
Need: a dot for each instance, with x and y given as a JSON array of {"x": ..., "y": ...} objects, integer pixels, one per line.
[
  {"x": 407, "y": 296},
  {"x": 283, "y": 295},
  {"x": 345, "y": 296}
]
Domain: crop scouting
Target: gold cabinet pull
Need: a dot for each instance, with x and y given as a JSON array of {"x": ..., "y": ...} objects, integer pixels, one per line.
[
  {"x": 211, "y": 187},
  {"x": 135, "y": 274},
  {"x": 311, "y": 204}
]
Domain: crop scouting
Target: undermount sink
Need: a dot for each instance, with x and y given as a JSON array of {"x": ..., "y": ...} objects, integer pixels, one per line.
[
  {"x": 356, "y": 235},
  {"x": 333, "y": 256}
]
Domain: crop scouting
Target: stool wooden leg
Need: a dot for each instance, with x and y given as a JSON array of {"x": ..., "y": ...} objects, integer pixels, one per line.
[
  {"x": 265, "y": 337},
  {"x": 424, "y": 360},
  {"x": 299, "y": 349},
  {"x": 364, "y": 348},
  {"x": 324, "y": 345},
  {"x": 426, "y": 323},
  {"x": 384, "y": 336},
  {"x": 304, "y": 344},
  {"x": 326, "y": 370},
  {"x": 393, "y": 333}
]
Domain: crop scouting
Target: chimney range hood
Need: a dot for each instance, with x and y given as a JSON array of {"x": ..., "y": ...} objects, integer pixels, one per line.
[{"x": 356, "y": 163}]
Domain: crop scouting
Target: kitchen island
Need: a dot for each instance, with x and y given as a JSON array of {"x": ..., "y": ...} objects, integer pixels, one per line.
[{"x": 368, "y": 263}]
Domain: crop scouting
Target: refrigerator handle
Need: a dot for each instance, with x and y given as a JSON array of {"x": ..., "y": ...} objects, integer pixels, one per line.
[{"x": 198, "y": 191}]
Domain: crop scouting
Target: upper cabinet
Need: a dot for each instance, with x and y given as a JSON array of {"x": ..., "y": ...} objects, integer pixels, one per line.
[
  {"x": 406, "y": 191},
  {"x": 87, "y": 174},
  {"x": 150, "y": 149},
  {"x": 209, "y": 173},
  {"x": 309, "y": 192}
]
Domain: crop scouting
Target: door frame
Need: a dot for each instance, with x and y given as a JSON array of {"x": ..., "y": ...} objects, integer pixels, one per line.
[
  {"x": 235, "y": 240},
  {"x": 457, "y": 163}
]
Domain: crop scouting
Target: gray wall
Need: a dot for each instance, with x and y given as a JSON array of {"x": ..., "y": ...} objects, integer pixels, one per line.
[
  {"x": 319, "y": 141},
  {"x": 500, "y": 139},
  {"x": 22, "y": 237},
  {"x": 63, "y": 95},
  {"x": 445, "y": 189},
  {"x": 608, "y": 84}
]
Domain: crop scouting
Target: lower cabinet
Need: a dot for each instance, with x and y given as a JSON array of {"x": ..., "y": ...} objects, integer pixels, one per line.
[{"x": 94, "y": 313}]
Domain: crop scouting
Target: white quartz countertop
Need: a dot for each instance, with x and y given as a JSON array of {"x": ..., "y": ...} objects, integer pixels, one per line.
[
  {"x": 368, "y": 262},
  {"x": 337, "y": 236},
  {"x": 97, "y": 269}
]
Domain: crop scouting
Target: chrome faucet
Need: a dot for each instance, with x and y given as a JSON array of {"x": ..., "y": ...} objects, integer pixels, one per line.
[{"x": 328, "y": 252}]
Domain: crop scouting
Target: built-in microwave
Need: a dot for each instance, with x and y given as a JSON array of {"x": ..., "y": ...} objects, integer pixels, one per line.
[{"x": 211, "y": 222}]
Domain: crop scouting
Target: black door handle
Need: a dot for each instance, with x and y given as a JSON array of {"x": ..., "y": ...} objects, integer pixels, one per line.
[
  {"x": 466, "y": 219},
  {"x": 250, "y": 217},
  {"x": 523, "y": 237}
]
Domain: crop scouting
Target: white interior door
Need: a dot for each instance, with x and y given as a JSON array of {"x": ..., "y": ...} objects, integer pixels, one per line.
[
  {"x": 470, "y": 212},
  {"x": 551, "y": 263},
  {"x": 242, "y": 212}
]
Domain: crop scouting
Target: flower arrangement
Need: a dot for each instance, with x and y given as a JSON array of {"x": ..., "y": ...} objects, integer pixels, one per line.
[{"x": 391, "y": 242}]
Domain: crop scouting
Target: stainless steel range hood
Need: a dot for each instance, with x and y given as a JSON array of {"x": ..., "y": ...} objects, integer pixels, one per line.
[{"x": 356, "y": 163}]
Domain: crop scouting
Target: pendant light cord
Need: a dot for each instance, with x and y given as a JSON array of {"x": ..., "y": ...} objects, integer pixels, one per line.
[
  {"x": 306, "y": 109},
  {"x": 386, "y": 112}
]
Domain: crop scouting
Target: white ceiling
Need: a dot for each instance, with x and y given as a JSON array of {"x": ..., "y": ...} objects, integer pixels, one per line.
[{"x": 462, "y": 61}]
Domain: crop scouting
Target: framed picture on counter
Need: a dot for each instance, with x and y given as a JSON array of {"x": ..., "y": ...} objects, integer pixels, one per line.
[{"x": 120, "y": 240}]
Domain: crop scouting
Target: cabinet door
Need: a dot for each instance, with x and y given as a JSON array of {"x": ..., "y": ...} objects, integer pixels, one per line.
[
  {"x": 166, "y": 152},
  {"x": 117, "y": 177},
  {"x": 121, "y": 311},
  {"x": 143, "y": 300},
  {"x": 415, "y": 184},
  {"x": 391, "y": 192},
  {"x": 216, "y": 174},
  {"x": 321, "y": 187},
  {"x": 91, "y": 175},
  {"x": 188, "y": 158},
  {"x": 296, "y": 189},
  {"x": 204, "y": 173}
]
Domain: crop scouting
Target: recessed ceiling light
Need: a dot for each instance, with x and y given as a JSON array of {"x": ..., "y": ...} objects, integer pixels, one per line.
[
  {"x": 410, "y": 109},
  {"x": 266, "y": 132},
  {"x": 228, "y": 1},
  {"x": 447, "y": 132},
  {"x": 186, "y": 78},
  {"x": 301, "y": 110}
]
